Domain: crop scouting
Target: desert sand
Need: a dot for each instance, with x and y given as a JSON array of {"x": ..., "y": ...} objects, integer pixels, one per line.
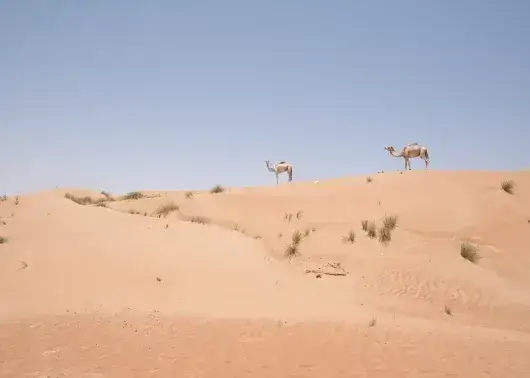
[{"x": 112, "y": 288}]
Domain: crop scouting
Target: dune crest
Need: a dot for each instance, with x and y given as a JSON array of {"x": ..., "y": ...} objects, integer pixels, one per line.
[{"x": 420, "y": 255}]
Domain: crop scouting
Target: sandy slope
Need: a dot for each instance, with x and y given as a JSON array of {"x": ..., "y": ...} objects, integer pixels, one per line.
[{"x": 102, "y": 292}]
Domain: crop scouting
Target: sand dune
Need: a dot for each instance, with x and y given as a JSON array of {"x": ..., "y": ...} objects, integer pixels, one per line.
[{"x": 118, "y": 288}]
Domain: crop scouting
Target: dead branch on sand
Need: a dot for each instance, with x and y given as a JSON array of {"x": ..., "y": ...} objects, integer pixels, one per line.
[{"x": 339, "y": 271}]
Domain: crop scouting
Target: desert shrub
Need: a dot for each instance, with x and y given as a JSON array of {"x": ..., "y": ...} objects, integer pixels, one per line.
[
  {"x": 217, "y": 189},
  {"x": 508, "y": 186},
  {"x": 167, "y": 208},
  {"x": 132, "y": 196},
  {"x": 350, "y": 238},
  {"x": 390, "y": 222}
]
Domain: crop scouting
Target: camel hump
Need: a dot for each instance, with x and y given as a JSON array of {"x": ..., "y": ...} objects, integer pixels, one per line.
[{"x": 282, "y": 162}]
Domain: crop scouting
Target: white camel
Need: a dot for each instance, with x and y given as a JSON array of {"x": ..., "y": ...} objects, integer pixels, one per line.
[
  {"x": 411, "y": 151},
  {"x": 280, "y": 167}
]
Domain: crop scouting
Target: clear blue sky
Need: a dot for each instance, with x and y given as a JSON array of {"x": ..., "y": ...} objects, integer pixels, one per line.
[{"x": 124, "y": 95}]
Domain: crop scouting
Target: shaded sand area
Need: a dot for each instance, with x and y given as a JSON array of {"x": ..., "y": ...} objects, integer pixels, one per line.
[{"x": 198, "y": 284}]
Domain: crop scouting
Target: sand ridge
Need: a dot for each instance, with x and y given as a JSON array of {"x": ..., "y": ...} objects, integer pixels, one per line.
[{"x": 62, "y": 262}]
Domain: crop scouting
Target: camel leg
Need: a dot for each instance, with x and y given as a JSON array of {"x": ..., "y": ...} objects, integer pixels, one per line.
[
  {"x": 277, "y": 178},
  {"x": 426, "y": 164}
]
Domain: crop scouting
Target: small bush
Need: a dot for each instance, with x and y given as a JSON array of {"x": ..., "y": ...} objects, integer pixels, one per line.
[
  {"x": 188, "y": 195},
  {"x": 373, "y": 322},
  {"x": 166, "y": 209},
  {"x": 384, "y": 235},
  {"x": 307, "y": 232},
  {"x": 86, "y": 200},
  {"x": 371, "y": 230},
  {"x": 368, "y": 179},
  {"x": 448, "y": 310},
  {"x": 469, "y": 252},
  {"x": 297, "y": 237},
  {"x": 132, "y": 196},
  {"x": 508, "y": 186},
  {"x": 16, "y": 201},
  {"x": 217, "y": 189},
  {"x": 288, "y": 217},
  {"x": 350, "y": 238},
  {"x": 200, "y": 220},
  {"x": 299, "y": 214},
  {"x": 3, "y": 240},
  {"x": 292, "y": 250},
  {"x": 364, "y": 225},
  {"x": 390, "y": 222}
]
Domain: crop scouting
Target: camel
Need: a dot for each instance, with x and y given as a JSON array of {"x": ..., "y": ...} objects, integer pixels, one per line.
[
  {"x": 281, "y": 167},
  {"x": 411, "y": 151}
]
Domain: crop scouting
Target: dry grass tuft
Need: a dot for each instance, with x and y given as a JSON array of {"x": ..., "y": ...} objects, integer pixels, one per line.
[
  {"x": 132, "y": 196},
  {"x": 288, "y": 217},
  {"x": 297, "y": 237},
  {"x": 166, "y": 209},
  {"x": 371, "y": 230},
  {"x": 390, "y": 222},
  {"x": 292, "y": 251},
  {"x": 384, "y": 235},
  {"x": 448, "y": 310},
  {"x": 350, "y": 238},
  {"x": 188, "y": 195},
  {"x": 469, "y": 252},
  {"x": 17, "y": 200},
  {"x": 364, "y": 224},
  {"x": 200, "y": 220},
  {"x": 87, "y": 200},
  {"x": 307, "y": 232},
  {"x": 3, "y": 240},
  {"x": 133, "y": 211},
  {"x": 373, "y": 322},
  {"x": 217, "y": 189},
  {"x": 299, "y": 214},
  {"x": 368, "y": 179},
  {"x": 508, "y": 186}
]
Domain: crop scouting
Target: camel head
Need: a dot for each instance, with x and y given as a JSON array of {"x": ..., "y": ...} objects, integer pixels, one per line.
[{"x": 390, "y": 149}]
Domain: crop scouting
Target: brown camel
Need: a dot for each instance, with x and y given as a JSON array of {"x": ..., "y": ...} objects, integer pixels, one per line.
[
  {"x": 280, "y": 167},
  {"x": 411, "y": 151}
]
